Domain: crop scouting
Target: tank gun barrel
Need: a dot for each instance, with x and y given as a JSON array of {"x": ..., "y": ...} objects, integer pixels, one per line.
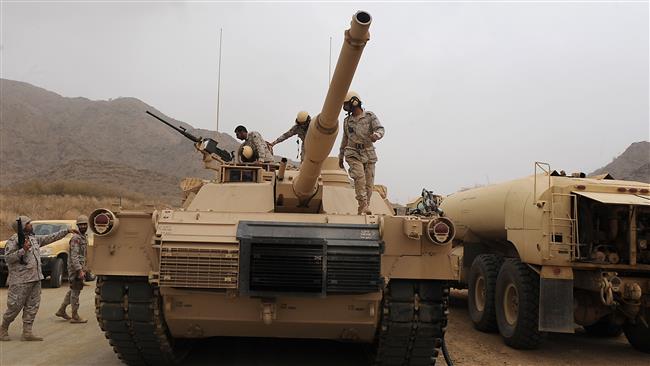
[{"x": 324, "y": 127}]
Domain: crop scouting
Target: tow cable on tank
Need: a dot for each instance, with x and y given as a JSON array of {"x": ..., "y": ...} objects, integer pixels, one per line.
[{"x": 445, "y": 353}]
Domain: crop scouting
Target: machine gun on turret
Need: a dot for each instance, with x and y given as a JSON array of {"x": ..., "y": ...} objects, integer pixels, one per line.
[{"x": 206, "y": 145}]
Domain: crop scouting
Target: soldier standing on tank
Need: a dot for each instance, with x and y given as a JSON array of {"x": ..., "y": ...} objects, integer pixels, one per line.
[
  {"x": 361, "y": 129},
  {"x": 300, "y": 129},
  {"x": 25, "y": 275},
  {"x": 76, "y": 272},
  {"x": 255, "y": 141}
]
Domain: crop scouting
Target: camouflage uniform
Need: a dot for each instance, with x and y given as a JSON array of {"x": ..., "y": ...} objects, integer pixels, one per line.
[
  {"x": 258, "y": 144},
  {"x": 25, "y": 279},
  {"x": 359, "y": 152},
  {"x": 297, "y": 129},
  {"x": 76, "y": 263}
]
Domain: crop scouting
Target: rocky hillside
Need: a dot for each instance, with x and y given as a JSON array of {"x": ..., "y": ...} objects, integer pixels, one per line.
[
  {"x": 42, "y": 130},
  {"x": 114, "y": 177},
  {"x": 632, "y": 164}
]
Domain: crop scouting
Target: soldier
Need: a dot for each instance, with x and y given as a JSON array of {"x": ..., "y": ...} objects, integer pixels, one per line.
[
  {"x": 76, "y": 272},
  {"x": 360, "y": 130},
  {"x": 255, "y": 141},
  {"x": 25, "y": 275},
  {"x": 300, "y": 129}
]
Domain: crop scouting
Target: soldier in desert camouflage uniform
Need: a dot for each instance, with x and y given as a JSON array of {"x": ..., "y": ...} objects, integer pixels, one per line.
[
  {"x": 25, "y": 279},
  {"x": 76, "y": 272},
  {"x": 300, "y": 129},
  {"x": 361, "y": 129},
  {"x": 256, "y": 142}
]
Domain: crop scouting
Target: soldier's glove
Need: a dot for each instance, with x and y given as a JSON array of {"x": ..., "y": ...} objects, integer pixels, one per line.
[
  {"x": 374, "y": 137},
  {"x": 341, "y": 163}
]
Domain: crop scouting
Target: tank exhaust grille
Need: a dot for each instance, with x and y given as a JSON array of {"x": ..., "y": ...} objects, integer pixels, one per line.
[
  {"x": 199, "y": 267},
  {"x": 286, "y": 267},
  {"x": 314, "y": 259},
  {"x": 353, "y": 268}
]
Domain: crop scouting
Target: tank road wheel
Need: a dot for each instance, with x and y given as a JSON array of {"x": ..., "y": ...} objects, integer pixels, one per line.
[
  {"x": 414, "y": 319},
  {"x": 482, "y": 285},
  {"x": 56, "y": 277},
  {"x": 129, "y": 312},
  {"x": 638, "y": 335},
  {"x": 517, "y": 305},
  {"x": 604, "y": 327}
]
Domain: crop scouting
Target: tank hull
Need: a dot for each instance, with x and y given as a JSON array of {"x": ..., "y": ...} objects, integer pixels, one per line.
[{"x": 192, "y": 314}]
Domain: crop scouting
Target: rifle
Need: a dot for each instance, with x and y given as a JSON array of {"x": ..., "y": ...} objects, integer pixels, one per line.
[
  {"x": 204, "y": 144},
  {"x": 21, "y": 238}
]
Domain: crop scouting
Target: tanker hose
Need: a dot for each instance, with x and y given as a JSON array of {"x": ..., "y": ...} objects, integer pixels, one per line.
[{"x": 445, "y": 353}]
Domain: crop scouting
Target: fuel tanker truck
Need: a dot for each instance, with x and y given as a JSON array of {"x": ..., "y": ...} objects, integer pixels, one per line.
[
  {"x": 546, "y": 252},
  {"x": 263, "y": 250}
]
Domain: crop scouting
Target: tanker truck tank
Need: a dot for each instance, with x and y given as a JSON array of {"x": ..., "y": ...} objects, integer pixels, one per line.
[
  {"x": 564, "y": 249},
  {"x": 264, "y": 250}
]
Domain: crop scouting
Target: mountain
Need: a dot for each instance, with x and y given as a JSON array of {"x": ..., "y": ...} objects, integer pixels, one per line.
[
  {"x": 632, "y": 164},
  {"x": 115, "y": 177},
  {"x": 42, "y": 131}
]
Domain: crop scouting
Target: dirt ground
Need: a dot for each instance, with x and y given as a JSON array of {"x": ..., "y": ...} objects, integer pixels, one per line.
[{"x": 84, "y": 344}]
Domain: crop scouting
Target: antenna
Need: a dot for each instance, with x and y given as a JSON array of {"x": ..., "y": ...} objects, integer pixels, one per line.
[
  {"x": 329, "y": 77},
  {"x": 219, "y": 81}
]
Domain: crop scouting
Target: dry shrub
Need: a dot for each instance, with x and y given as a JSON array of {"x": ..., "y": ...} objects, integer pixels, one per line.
[{"x": 71, "y": 188}]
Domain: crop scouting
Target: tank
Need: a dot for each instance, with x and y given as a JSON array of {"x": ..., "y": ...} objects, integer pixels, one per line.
[
  {"x": 543, "y": 252},
  {"x": 263, "y": 250}
]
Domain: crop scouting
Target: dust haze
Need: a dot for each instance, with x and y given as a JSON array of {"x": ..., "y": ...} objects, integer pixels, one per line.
[{"x": 469, "y": 93}]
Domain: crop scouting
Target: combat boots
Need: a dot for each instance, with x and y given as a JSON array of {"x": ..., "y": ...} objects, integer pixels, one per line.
[
  {"x": 76, "y": 318},
  {"x": 28, "y": 335},
  {"x": 62, "y": 314},
  {"x": 4, "y": 332},
  {"x": 363, "y": 208}
]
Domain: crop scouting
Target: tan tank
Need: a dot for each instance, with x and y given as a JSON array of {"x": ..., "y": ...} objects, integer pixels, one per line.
[
  {"x": 542, "y": 253},
  {"x": 265, "y": 251}
]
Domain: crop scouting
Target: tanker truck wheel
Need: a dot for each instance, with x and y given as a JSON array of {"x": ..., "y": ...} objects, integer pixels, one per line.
[
  {"x": 480, "y": 295},
  {"x": 129, "y": 312},
  {"x": 638, "y": 335},
  {"x": 414, "y": 319},
  {"x": 517, "y": 305},
  {"x": 605, "y": 328}
]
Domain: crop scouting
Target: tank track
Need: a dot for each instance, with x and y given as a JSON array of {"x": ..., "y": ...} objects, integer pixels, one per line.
[
  {"x": 413, "y": 323},
  {"x": 129, "y": 312}
]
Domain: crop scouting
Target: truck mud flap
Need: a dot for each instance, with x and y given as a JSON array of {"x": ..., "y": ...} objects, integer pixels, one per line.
[{"x": 556, "y": 305}]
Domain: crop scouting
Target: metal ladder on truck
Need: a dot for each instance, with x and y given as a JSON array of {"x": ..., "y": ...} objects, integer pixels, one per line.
[{"x": 562, "y": 229}]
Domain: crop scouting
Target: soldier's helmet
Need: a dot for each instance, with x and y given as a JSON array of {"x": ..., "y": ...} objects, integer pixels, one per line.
[
  {"x": 353, "y": 98},
  {"x": 247, "y": 153},
  {"x": 24, "y": 220},
  {"x": 82, "y": 219},
  {"x": 302, "y": 117}
]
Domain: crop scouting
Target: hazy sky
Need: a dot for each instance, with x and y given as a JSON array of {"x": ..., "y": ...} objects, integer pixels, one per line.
[{"x": 469, "y": 92}]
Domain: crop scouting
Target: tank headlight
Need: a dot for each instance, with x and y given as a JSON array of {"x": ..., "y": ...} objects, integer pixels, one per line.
[
  {"x": 440, "y": 230},
  {"x": 103, "y": 222}
]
